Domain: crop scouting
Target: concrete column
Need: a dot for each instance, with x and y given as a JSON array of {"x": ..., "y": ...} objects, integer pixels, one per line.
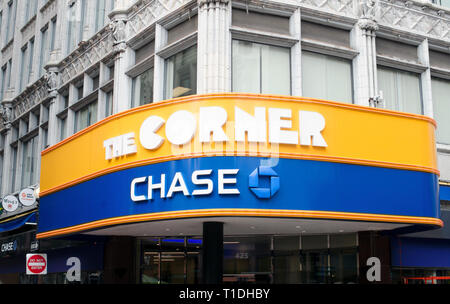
[
  {"x": 120, "y": 260},
  {"x": 212, "y": 252},
  {"x": 123, "y": 58},
  {"x": 372, "y": 244},
  {"x": 158, "y": 69},
  {"x": 425, "y": 79},
  {"x": 52, "y": 84},
  {"x": 214, "y": 46},
  {"x": 6, "y": 112},
  {"x": 365, "y": 63}
]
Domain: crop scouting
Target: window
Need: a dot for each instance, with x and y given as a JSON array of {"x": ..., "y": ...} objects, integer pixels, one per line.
[
  {"x": 13, "y": 169},
  {"x": 181, "y": 74},
  {"x": 43, "y": 56},
  {"x": 100, "y": 12},
  {"x": 86, "y": 116},
  {"x": 1, "y": 20},
  {"x": 62, "y": 128},
  {"x": 401, "y": 90},
  {"x": 77, "y": 13},
  {"x": 30, "y": 10},
  {"x": 142, "y": 89},
  {"x": 44, "y": 138},
  {"x": 23, "y": 67},
  {"x": 326, "y": 77},
  {"x": 441, "y": 108},
  {"x": 29, "y": 162},
  {"x": 109, "y": 103},
  {"x": 445, "y": 3},
  {"x": 53, "y": 31},
  {"x": 260, "y": 68},
  {"x": 30, "y": 61},
  {"x": 9, "y": 74},
  {"x": 11, "y": 21},
  {"x": 2, "y": 88}
]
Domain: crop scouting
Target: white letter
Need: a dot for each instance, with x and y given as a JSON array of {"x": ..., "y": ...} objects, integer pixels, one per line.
[
  {"x": 161, "y": 186},
  {"x": 310, "y": 124},
  {"x": 74, "y": 272},
  {"x": 129, "y": 146},
  {"x": 211, "y": 120},
  {"x": 374, "y": 273},
  {"x": 174, "y": 188},
  {"x": 223, "y": 181},
  {"x": 134, "y": 197},
  {"x": 181, "y": 127},
  {"x": 149, "y": 139},
  {"x": 254, "y": 126},
  {"x": 108, "y": 145},
  {"x": 276, "y": 135},
  {"x": 197, "y": 181}
]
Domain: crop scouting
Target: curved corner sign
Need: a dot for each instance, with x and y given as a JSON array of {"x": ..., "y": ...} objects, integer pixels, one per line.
[
  {"x": 10, "y": 203},
  {"x": 208, "y": 155},
  {"x": 26, "y": 197}
]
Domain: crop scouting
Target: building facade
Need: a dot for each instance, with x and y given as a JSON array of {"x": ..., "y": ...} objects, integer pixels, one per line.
[{"x": 325, "y": 112}]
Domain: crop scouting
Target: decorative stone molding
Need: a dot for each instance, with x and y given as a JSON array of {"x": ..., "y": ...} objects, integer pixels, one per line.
[
  {"x": 146, "y": 12},
  {"x": 86, "y": 55},
  {"x": 117, "y": 28},
  {"x": 415, "y": 17},
  {"x": 32, "y": 96},
  {"x": 203, "y": 2},
  {"x": 341, "y": 7},
  {"x": 6, "y": 113},
  {"x": 51, "y": 78}
]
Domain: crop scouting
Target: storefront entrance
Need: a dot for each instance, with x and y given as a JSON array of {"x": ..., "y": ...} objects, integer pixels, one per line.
[
  {"x": 254, "y": 259},
  {"x": 171, "y": 260}
]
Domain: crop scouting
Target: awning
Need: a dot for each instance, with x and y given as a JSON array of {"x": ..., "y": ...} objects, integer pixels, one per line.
[
  {"x": 420, "y": 252},
  {"x": 18, "y": 222},
  {"x": 444, "y": 193}
]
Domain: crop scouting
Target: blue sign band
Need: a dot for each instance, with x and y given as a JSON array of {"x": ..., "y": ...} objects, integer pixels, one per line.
[{"x": 288, "y": 185}]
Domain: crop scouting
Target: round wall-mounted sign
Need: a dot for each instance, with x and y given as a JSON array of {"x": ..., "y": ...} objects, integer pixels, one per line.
[
  {"x": 26, "y": 197},
  {"x": 10, "y": 203}
]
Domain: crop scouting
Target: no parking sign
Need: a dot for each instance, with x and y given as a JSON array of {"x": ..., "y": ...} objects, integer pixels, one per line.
[{"x": 36, "y": 263}]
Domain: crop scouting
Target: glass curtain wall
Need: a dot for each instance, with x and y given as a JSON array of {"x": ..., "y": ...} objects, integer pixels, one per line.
[
  {"x": 326, "y": 77},
  {"x": 441, "y": 108},
  {"x": 260, "y": 68},
  {"x": 181, "y": 74},
  {"x": 401, "y": 90}
]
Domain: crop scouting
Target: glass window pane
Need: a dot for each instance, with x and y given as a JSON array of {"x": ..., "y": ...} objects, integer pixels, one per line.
[
  {"x": 142, "y": 89},
  {"x": 246, "y": 67},
  {"x": 260, "y": 68},
  {"x": 342, "y": 240},
  {"x": 181, "y": 74},
  {"x": 247, "y": 259},
  {"x": 314, "y": 242},
  {"x": 441, "y": 108},
  {"x": 275, "y": 70},
  {"x": 326, "y": 77},
  {"x": 286, "y": 243},
  {"x": 401, "y": 90}
]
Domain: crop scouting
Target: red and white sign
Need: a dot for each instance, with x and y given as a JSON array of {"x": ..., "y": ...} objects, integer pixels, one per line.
[{"x": 36, "y": 263}]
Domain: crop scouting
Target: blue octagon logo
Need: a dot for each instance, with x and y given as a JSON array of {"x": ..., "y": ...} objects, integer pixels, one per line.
[{"x": 254, "y": 182}]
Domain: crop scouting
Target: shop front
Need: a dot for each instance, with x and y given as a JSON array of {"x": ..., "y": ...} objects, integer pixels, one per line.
[{"x": 244, "y": 188}]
